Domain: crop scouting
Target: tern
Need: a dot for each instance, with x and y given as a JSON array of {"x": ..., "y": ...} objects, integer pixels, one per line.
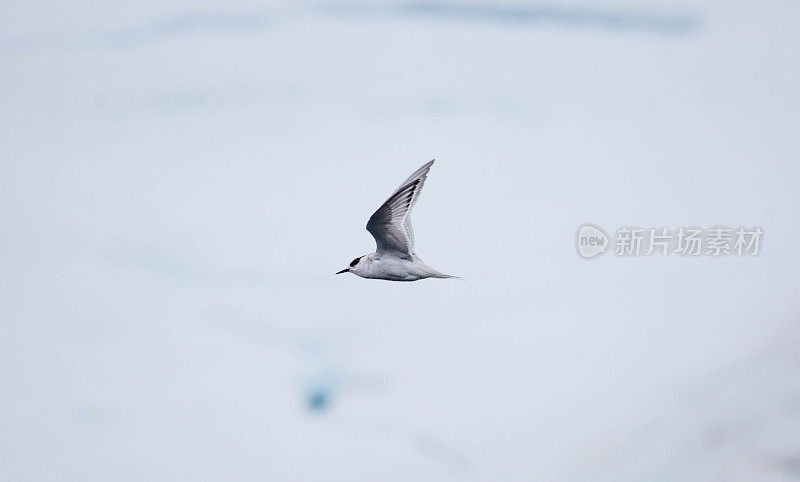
[{"x": 394, "y": 258}]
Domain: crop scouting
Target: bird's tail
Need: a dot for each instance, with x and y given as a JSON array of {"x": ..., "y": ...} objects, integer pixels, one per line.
[{"x": 435, "y": 273}]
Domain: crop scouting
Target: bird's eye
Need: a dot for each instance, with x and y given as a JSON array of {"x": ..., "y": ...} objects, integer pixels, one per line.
[{"x": 355, "y": 261}]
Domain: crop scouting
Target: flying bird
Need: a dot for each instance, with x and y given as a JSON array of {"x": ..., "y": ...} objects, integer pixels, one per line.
[{"x": 394, "y": 258}]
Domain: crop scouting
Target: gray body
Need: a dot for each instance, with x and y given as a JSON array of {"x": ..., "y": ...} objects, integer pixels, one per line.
[{"x": 394, "y": 269}]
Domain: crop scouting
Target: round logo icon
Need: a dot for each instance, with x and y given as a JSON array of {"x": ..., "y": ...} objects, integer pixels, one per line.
[{"x": 592, "y": 241}]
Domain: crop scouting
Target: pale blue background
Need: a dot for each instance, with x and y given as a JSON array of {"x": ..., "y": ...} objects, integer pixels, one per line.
[{"x": 180, "y": 180}]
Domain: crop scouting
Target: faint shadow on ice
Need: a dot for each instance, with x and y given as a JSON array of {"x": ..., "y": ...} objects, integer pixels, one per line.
[{"x": 660, "y": 22}]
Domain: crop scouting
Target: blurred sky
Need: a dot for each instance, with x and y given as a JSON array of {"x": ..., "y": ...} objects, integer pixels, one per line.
[{"x": 180, "y": 180}]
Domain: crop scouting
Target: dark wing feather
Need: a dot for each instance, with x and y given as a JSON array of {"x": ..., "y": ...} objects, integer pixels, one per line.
[{"x": 391, "y": 223}]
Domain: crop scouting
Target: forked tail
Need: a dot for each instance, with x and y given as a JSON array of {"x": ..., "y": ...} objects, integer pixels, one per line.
[{"x": 430, "y": 272}]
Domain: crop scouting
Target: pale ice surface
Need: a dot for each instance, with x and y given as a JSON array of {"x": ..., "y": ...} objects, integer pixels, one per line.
[{"x": 180, "y": 180}]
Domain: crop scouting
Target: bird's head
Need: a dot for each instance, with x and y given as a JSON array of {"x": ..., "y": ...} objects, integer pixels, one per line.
[{"x": 353, "y": 265}]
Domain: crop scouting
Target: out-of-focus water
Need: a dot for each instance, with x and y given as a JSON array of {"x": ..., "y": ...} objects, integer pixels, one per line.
[{"x": 180, "y": 181}]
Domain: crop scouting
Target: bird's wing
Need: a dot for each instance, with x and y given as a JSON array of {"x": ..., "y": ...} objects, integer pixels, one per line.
[{"x": 391, "y": 224}]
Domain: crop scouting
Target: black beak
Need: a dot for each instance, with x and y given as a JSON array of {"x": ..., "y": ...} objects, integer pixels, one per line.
[{"x": 344, "y": 271}]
